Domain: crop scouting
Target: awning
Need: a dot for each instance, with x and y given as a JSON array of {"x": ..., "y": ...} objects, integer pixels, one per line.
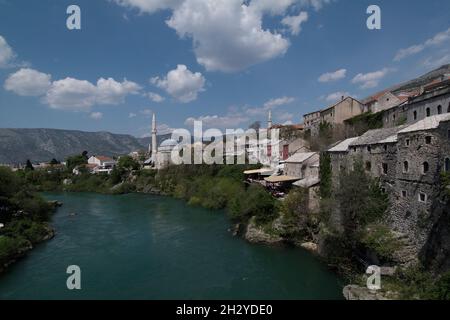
[
  {"x": 258, "y": 171},
  {"x": 307, "y": 183},
  {"x": 276, "y": 179}
]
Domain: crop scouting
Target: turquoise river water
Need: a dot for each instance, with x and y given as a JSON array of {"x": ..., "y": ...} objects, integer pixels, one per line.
[{"x": 150, "y": 247}]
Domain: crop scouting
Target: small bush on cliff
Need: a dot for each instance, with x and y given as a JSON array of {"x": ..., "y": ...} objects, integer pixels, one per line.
[
  {"x": 360, "y": 199},
  {"x": 415, "y": 283},
  {"x": 379, "y": 239},
  {"x": 297, "y": 221}
]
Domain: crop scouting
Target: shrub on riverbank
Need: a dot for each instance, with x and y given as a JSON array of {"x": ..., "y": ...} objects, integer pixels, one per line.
[
  {"x": 24, "y": 215},
  {"x": 255, "y": 202}
]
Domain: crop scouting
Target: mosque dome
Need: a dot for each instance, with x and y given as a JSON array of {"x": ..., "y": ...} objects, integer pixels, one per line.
[{"x": 167, "y": 145}]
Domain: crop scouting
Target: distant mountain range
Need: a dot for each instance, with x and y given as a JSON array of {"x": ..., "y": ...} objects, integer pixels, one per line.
[
  {"x": 422, "y": 80},
  {"x": 40, "y": 145}
]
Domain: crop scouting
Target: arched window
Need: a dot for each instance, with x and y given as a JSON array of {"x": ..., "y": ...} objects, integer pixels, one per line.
[
  {"x": 415, "y": 115},
  {"x": 425, "y": 167},
  {"x": 439, "y": 109},
  {"x": 428, "y": 112},
  {"x": 448, "y": 108},
  {"x": 368, "y": 166},
  {"x": 405, "y": 166},
  {"x": 447, "y": 165}
]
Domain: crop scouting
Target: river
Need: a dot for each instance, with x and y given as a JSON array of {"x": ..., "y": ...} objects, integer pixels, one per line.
[{"x": 150, "y": 247}]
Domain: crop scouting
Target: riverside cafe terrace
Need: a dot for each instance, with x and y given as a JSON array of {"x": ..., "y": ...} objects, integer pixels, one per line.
[{"x": 278, "y": 185}]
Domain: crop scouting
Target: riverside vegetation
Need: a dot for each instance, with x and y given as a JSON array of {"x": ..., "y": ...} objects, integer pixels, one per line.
[
  {"x": 24, "y": 215},
  {"x": 289, "y": 221}
]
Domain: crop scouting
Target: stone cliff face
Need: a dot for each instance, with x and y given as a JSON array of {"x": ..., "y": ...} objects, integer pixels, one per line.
[{"x": 435, "y": 255}]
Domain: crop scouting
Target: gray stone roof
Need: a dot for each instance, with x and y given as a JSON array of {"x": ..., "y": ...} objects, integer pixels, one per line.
[
  {"x": 376, "y": 136},
  {"x": 343, "y": 146},
  {"x": 428, "y": 123}
]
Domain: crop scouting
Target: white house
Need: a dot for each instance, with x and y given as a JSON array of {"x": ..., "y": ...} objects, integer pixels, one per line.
[{"x": 102, "y": 164}]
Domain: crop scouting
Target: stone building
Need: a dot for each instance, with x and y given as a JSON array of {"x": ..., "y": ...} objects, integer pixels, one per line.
[
  {"x": 382, "y": 101},
  {"x": 433, "y": 100},
  {"x": 408, "y": 160},
  {"x": 301, "y": 165},
  {"x": 312, "y": 121},
  {"x": 336, "y": 114}
]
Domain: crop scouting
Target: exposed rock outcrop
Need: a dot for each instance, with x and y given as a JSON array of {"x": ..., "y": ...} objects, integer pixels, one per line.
[
  {"x": 256, "y": 234},
  {"x": 354, "y": 292}
]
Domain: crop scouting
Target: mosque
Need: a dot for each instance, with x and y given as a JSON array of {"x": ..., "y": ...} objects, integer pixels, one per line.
[{"x": 160, "y": 157}]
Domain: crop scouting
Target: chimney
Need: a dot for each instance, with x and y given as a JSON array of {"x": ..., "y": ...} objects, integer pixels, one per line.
[
  {"x": 342, "y": 98},
  {"x": 421, "y": 90}
]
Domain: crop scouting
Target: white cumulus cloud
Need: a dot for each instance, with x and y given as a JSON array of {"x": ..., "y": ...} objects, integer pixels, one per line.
[
  {"x": 69, "y": 93},
  {"x": 155, "y": 97},
  {"x": 436, "y": 40},
  {"x": 371, "y": 79},
  {"x": 181, "y": 83},
  {"x": 333, "y": 76},
  {"x": 149, "y": 6},
  {"x": 96, "y": 115},
  {"x": 28, "y": 82},
  {"x": 336, "y": 96},
  {"x": 294, "y": 22},
  {"x": 7, "y": 54},
  {"x": 277, "y": 102},
  {"x": 74, "y": 94}
]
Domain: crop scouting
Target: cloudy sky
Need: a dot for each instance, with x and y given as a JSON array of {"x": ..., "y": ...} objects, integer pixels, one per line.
[{"x": 226, "y": 62}]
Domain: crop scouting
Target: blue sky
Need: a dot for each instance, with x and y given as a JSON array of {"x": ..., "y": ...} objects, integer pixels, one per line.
[{"x": 220, "y": 61}]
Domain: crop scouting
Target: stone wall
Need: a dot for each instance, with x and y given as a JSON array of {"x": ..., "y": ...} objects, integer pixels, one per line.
[{"x": 413, "y": 192}]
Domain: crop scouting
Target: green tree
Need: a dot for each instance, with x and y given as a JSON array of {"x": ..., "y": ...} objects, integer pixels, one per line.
[
  {"x": 257, "y": 202},
  {"x": 360, "y": 199},
  {"x": 127, "y": 162},
  {"x": 29, "y": 166},
  {"x": 54, "y": 162},
  {"x": 75, "y": 161},
  {"x": 325, "y": 175}
]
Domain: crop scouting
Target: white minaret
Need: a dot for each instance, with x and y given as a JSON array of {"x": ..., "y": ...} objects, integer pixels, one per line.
[
  {"x": 269, "y": 121},
  {"x": 154, "y": 146}
]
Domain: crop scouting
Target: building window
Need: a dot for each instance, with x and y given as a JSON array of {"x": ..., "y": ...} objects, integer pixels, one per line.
[
  {"x": 447, "y": 165},
  {"x": 393, "y": 117},
  {"x": 428, "y": 139},
  {"x": 385, "y": 168},
  {"x": 448, "y": 108},
  {"x": 428, "y": 112},
  {"x": 425, "y": 167},
  {"x": 439, "y": 109},
  {"x": 354, "y": 148},
  {"x": 385, "y": 147},
  {"x": 407, "y": 142},
  {"x": 448, "y": 134},
  {"x": 405, "y": 166},
  {"x": 368, "y": 166},
  {"x": 369, "y": 148},
  {"x": 422, "y": 197},
  {"x": 404, "y": 193},
  {"x": 415, "y": 115}
]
